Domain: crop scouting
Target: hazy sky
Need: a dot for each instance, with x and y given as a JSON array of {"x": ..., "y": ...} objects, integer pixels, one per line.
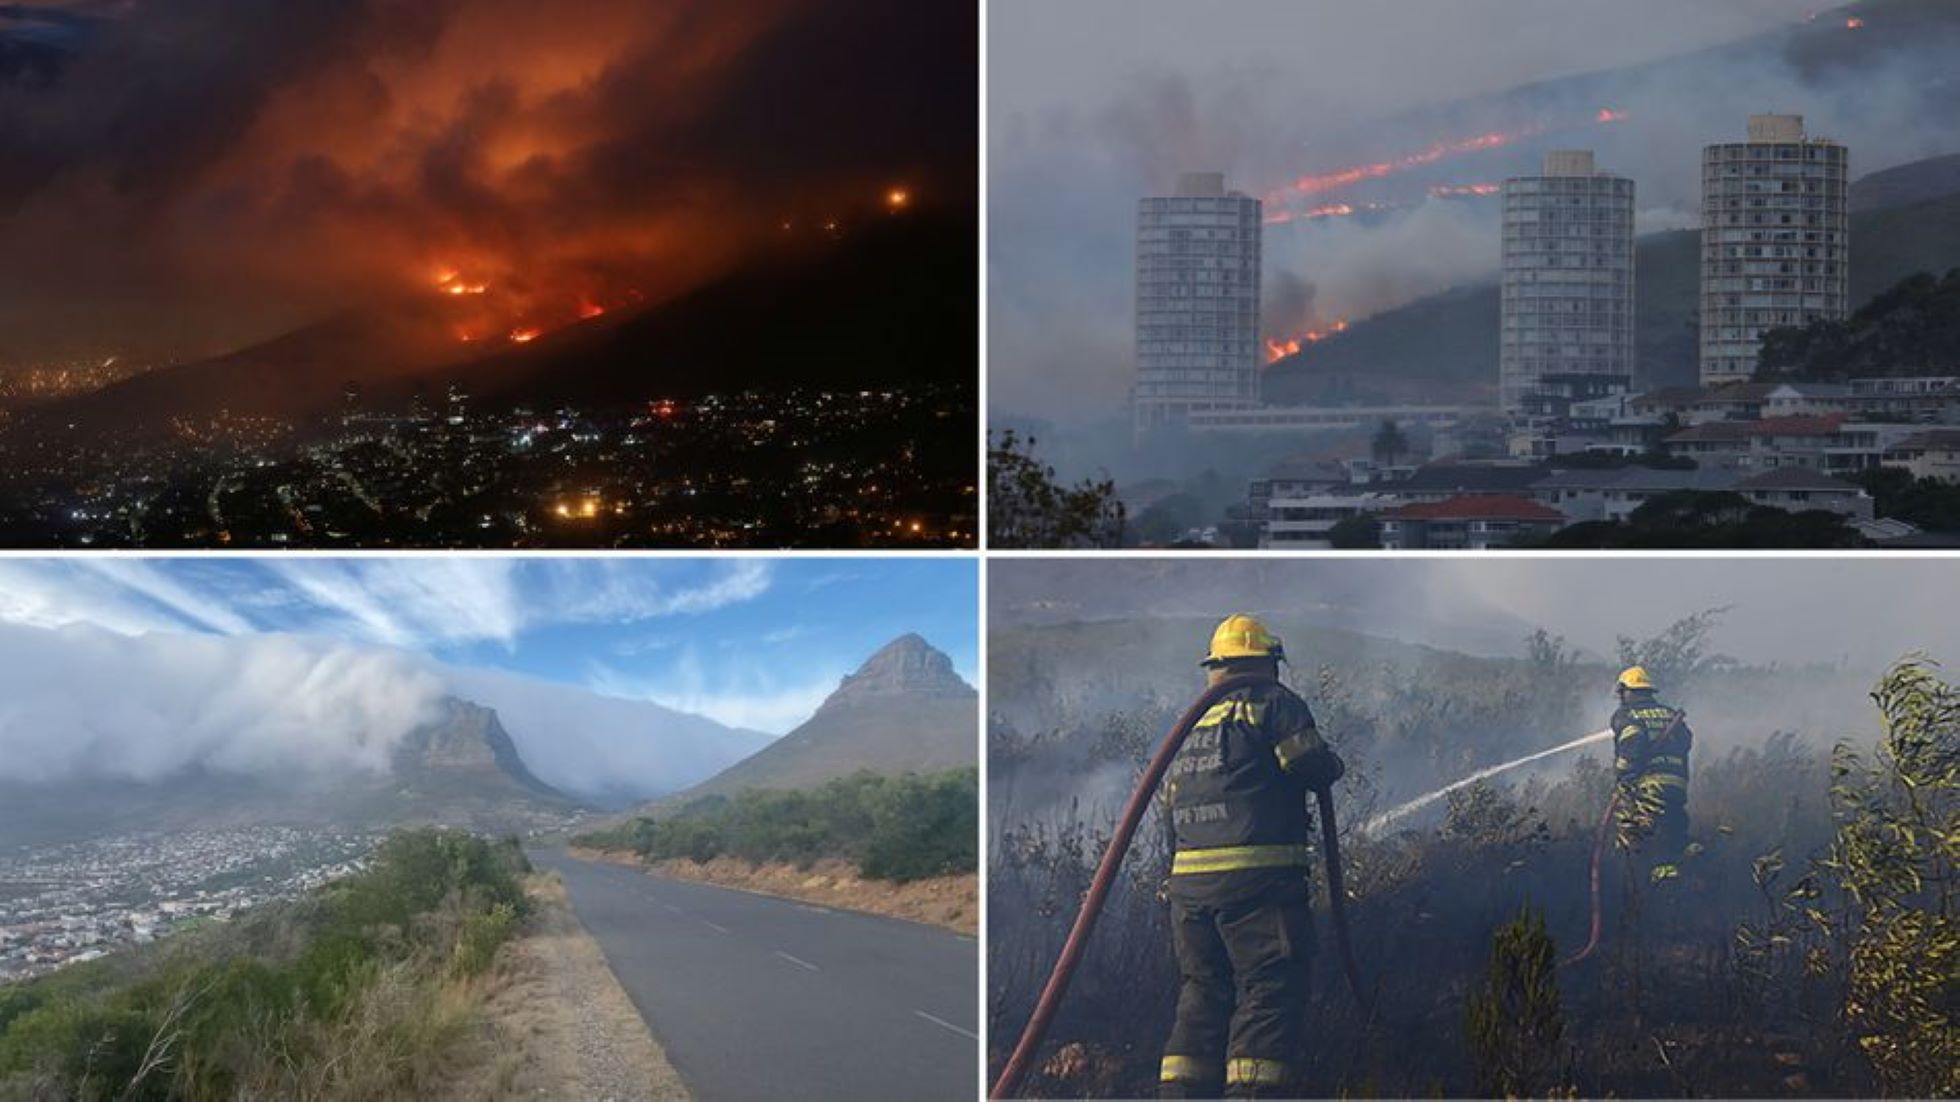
[
  {"x": 753, "y": 643},
  {"x": 1377, "y": 56}
]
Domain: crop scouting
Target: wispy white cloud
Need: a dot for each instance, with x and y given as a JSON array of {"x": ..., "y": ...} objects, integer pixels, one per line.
[
  {"x": 743, "y": 691},
  {"x": 55, "y": 593},
  {"x": 418, "y": 603},
  {"x": 414, "y": 602},
  {"x": 627, "y": 591}
]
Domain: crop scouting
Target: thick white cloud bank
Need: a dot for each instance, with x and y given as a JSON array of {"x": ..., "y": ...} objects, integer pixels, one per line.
[
  {"x": 82, "y": 703},
  {"x": 79, "y": 703}
]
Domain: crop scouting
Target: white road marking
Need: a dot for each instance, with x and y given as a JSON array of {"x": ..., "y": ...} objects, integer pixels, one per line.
[
  {"x": 797, "y": 961},
  {"x": 672, "y": 908},
  {"x": 944, "y": 1024},
  {"x": 716, "y": 927}
]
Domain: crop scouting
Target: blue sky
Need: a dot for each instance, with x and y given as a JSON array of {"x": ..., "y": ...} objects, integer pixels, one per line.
[{"x": 751, "y": 642}]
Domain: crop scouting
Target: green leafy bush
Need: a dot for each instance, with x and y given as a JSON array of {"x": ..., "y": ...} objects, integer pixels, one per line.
[
  {"x": 894, "y": 828},
  {"x": 273, "y": 1003}
]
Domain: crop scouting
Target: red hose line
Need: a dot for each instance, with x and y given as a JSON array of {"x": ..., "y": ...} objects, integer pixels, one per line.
[{"x": 1598, "y": 854}]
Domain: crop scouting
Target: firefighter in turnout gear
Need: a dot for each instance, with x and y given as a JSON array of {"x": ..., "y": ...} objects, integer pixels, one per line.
[
  {"x": 1241, "y": 921},
  {"x": 1650, "y": 762}
]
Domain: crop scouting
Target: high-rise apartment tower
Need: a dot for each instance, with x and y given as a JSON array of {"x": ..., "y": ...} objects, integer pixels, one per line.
[
  {"x": 1775, "y": 240},
  {"x": 1197, "y": 302},
  {"x": 1568, "y": 277}
]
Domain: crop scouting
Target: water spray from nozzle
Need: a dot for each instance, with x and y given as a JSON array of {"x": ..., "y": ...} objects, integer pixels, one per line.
[{"x": 1378, "y": 823}]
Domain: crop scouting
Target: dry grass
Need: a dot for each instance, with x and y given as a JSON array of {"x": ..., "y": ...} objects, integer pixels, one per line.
[{"x": 554, "y": 1021}]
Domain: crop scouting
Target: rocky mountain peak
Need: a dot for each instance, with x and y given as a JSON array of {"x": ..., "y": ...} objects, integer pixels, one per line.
[{"x": 906, "y": 666}]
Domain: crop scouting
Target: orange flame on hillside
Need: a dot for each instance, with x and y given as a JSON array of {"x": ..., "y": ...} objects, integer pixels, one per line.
[
  {"x": 1459, "y": 191},
  {"x": 1608, "y": 115},
  {"x": 1329, "y": 181},
  {"x": 1854, "y": 23},
  {"x": 525, "y": 335},
  {"x": 1277, "y": 350}
]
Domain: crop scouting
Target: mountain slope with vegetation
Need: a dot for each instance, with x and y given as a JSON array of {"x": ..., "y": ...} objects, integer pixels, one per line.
[
  {"x": 1440, "y": 344},
  {"x": 357, "y": 991},
  {"x": 904, "y": 710}
]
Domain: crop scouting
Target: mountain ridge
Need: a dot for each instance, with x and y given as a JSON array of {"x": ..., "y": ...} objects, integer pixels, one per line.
[{"x": 903, "y": 710}]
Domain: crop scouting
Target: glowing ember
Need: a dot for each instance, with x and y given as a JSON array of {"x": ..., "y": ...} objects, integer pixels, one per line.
[
  {"x": 898, "y": 198},
  {"x": 1278, "y": 350},
  {"x": 1607, "y": 114},
  {"x": 1853, "y": 23},
  {"x": 1459, "y": 191},
  {"x": 525, "y": 336},
  {"x": 587, "y": 310}
]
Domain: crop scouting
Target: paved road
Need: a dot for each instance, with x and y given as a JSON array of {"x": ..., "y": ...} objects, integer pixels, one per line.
[{"x": 766, "y": 999}]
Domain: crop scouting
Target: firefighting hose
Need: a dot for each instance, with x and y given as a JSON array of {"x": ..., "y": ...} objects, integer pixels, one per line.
[
  {"x": 1032, "y": 1036},
  {"x": 1599, "y": 855}
]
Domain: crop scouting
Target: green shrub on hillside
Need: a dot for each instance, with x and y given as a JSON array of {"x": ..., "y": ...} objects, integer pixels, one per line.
[
  {"x": 330, "y": 996},
  {"x": 894, "y": 828}
]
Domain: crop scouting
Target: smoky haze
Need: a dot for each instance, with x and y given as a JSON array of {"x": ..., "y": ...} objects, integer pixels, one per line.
[
  {"x": 1798, "y": 648},
  {"x": 1108, "y": 102},
  {"x": 205, "y": 173}
]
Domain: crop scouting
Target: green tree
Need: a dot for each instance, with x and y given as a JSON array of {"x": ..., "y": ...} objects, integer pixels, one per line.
[
  {"x": 1359, "y": 532},
  {"x": 1896, "y": 857},
  {"x": 1679, "y": 654},
  {"x": 1515, "y": 1021},
  {"x": 1028, "y": 508}
]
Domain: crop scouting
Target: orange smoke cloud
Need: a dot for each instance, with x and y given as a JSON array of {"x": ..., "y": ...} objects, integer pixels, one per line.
[{"x": 299, "y": 158}]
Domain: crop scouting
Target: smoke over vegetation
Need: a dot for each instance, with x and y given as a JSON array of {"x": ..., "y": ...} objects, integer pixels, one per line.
[
  {"x": 85, "y": 704},
  {"x": 1793, "y": 649},
  {"x": 200, "y": 173},
  {"x": 1376, "y": 134}
]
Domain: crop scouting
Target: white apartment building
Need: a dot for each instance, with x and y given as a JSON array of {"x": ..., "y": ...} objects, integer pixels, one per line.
[
  {"x": 1568, "y": 277},
  {"x": 1775, "y": 240},
  {"x": 1197, "y": 302}
]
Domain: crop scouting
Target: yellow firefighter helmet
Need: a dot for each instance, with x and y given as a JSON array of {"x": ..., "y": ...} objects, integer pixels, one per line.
[
  {"x": 1242, "y": 636},
  {"x": 1635, "y": 677}
]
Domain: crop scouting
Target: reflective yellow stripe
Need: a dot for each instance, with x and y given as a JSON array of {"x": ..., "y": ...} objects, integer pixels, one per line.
[
  {"x": 1668, "y": 779},
  {"x": 1245, "y": 1069},
  {"x": 1233, "y": 858},
  {"x": 1229, "y": 711},
  {"x": 1186, "y": 1069},
  {"x": 1290, "y": 750}
]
